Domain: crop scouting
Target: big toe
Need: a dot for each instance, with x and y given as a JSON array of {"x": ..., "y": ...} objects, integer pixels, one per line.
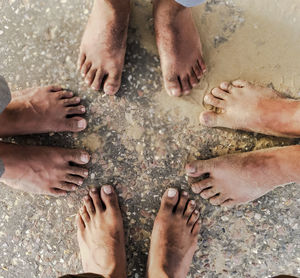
[
  {"x": 172, "y": 86},
  {"x": 75, "y": 124},
  {"x": 112, "y": 83},
  {"x": 110, "y": 199},
  {"x": 169, "y": 200},
  {"x": 209, "y": 118}
]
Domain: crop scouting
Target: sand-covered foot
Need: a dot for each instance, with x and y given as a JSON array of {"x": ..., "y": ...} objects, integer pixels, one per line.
[
  {"x": 43, "y": 170},
  {"x": 174, "y": 236},
  {"x": 240, "y": 178},
  {"x": 179, "y": 47},
  {"x": 42, "y": 110},
  {"x": 100, "y": 234},
  {"x": 253, "y": 108},
  {"x": 103, "y": 45}
]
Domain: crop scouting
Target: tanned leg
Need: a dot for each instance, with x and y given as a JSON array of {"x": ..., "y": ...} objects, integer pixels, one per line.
[
  {"x": 43, "y": 170},
  {"x": 241, "y": 178},
  {"x": 103, "y": 45},
  {"x": 100, "y": 234},
  {"x": 179, "y": 47},
  {"x": 252, "y": 108},
  {"x": 174, "y": 236},
  {"x": 42, "y": 110}
]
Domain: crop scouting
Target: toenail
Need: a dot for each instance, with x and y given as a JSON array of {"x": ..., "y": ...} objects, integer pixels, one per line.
[
  {"x": 172, "y": 192},
  {"x": 175, "y": 92},
  {"x": 184, "y": 193},
  {"x": 206, "y": 98},
  {"x": 80, "y": 182},
  {"x": 81, "y": 124},
  {"x": 192, "y": 202},
  {"x": 186, "y": 92},
  {"x": 94, "y": 190},
  {"x": 109, "y": 90},
  {"x": 85, "y": 158},
  {"x": 190, "y": 169},
  {"x": 196, "y": 211},
  {"x": 74, "y": 188},
  {"x": 86, "y": 173},
  {"x": 86, "y": 198},
  {"x": 82, "y": 109},
  {"x": 77, "y": 99},
  {"x": 107, "y": 189}
]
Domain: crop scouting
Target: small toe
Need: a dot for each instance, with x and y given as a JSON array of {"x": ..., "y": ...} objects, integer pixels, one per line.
[
  {"x": 208, "y": 193},
  {"x": 64, "y": 95},
  {"x": 112, "y": 83},
  {"x": 218, "y": 199},
  {"x": 110, "y": 199},
  {"x": 74, "y": 180},
  {"x": 76, "y": 110},
  {"x": 95, "y": 195},
  {"x": 76, "y": 124},
  {"x": 169, "y": 200},
  {"x": 202, "y": 64},
  {"x": 189, "y": 209},
  {"x": 197, "y": 71},
  {"x": 89, "y": 78},
  {"x": 228, "y": 203},
  {"x": 88, "y": 202},
  {"x": 182, "y": 204},
  {"x": 81, "y": 60},
  {"x": 66, "y": 186},
  {"x": 185, "y": 84},
  {"x": 193, "y": 79},
  {"x": 197, "y": 168},
  {"x": 84, "y": 215},
  {"x": 78, "y": 157},
  {"x": 196, "y": 228},
  {"x": 193, "y": 218},
  {"x": 53, "y": 88},
  {"x": 80, "y": 223},
  {"x": 98, "y": 80},
  {"x": 209, "y": 118},
  {"x": 217, "y": 92},
  {"x": 71, "y": 101},
  {"x": 240, "y": 83},
  {"x": 57, "y": 192},
  {"x": 78, "y": 171},
  {"x": 225, "y": 86},
  {"x": 199, "y": 186},
  {"x": 85, "y": 68},
  {"x": 210, "y": 99}
]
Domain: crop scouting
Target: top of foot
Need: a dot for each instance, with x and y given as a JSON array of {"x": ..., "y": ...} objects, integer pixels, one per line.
[
  {"x": 43, "y": 170},
  {"x": 100, "y": 234},
  {"x": 179, "y": 47},
  {"x": 252, "y": 108},
  {"x": 174, "y": 236},
  {"x": 42, "y": 110},
  {"x": 103, "y": 45}
]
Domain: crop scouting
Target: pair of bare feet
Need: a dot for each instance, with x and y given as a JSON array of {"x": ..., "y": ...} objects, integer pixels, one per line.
[
  {"x": 43, "y": 170},
  {"x": 103, "y": 46},
  {"x": 241, "y": 178},
  {"x": 101, "y": 235}
]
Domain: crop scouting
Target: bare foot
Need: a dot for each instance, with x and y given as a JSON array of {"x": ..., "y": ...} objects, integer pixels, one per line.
[
  {"x": 252, "y": 108},
  {"x": 103, "y": 45},
  {"x": 43, "y": 170},
  {"x": 100, "y": 234},
  {"x": 42, "y": 110},
  {"x": 241, "y": 178},
  {"x": 179, "y": 47},
  {"x": 174, "y": 236}
]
